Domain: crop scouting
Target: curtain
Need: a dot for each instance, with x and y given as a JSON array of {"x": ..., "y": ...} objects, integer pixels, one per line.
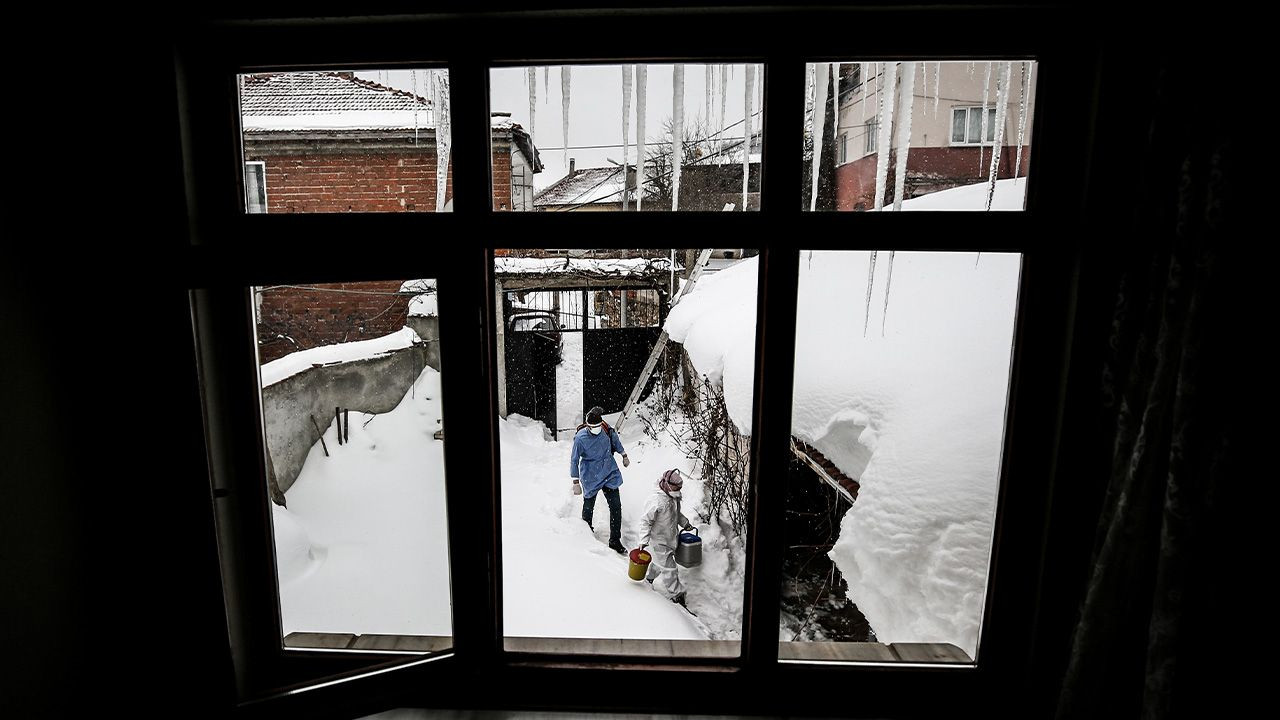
[{"x": 1144, "y": 642}]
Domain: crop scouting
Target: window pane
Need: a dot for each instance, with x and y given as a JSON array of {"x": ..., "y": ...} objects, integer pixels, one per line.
[
  {"x": 343, "y": 141},
  {"x": 351, "y": 407},
  {"x": 922, "y": 121},
  {"x": 958, "y": 116},
  {"x": 579, "y": 329},
  {"x": 578, "y": 133},
  {"x": 898, "y": 420}
]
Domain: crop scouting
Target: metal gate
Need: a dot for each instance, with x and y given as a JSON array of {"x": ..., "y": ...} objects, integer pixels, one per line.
[{"x": 620, "y": 326}]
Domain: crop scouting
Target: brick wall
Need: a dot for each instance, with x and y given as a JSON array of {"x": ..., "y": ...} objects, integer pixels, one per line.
[
  {"x": 325, "y": 315},
  {"x": 929, "y": 169},
  {"x": 384, "y": 182},
  {"x": 501, "y": 179}
]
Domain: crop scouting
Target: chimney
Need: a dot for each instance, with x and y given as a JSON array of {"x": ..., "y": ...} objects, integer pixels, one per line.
[{"x": 571, "y": 163}]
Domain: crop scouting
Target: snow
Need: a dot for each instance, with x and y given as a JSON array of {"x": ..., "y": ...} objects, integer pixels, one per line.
[
  {"x": 423, "y": 305},
  {"x": 561, "y": 579},
  {"x": 1010, "y": 194},
  {"x": 337, "y": 120},
  {"x": 294, "y": 363},
  {"x": 623, "y": 266},
  {"x": 569, "y": 386},
  {"x": 363, "y": 545},
  {"x": 915, "y": 413},
  {"x": 716, "y": 324}
]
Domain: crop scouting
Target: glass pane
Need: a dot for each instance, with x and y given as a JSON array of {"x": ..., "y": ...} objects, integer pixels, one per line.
[
  {"x": 349, "y": 141},
  {"x": 351, "y": 407},
  {"x": 898, "y": 422},
  {"x": 958, "y": 116},
  {"x": 923, "y": 120},
  {"x": 579, "y": 133},
  {"x": 566, "y": 586}
]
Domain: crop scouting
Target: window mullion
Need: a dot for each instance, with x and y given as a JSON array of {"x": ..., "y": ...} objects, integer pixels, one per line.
[{"x": 775, "y": 363}]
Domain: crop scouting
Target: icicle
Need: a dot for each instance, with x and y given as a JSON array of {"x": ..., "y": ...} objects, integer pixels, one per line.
[
  {"x": 937, "y": 86},
  {"x": 439, "y": 81},
  {"x": 626, "y": 129},
  {"x": 1002, "y": 103},
  {"x": 546, "y": 83},
  {"x": 642, "y": 84},
  {"x": 866, "y": 83},
  {"x": 708, "y": 78},
  {"x": 532, "y": 80},
  {"x": 1022, "y": 115},
  {"x": 887, "y": 283},
  {"x": 412, "y": 78},
  {"x": 724, "y": 89},
  {"x": 871, "y": 280},
  {"x": 747, "y": 96},
  {"x": 835, "y": 131},
  {"x": 906, "y": 98},
  {"x": 566, "y": 73},
  {"x": 877, "y": 76},
  {"x": 885, "y": 120},
  {"x": 982, "y": 132},
  {"x": 820, "y": 87},
  {"x": 677, "y": 132}
]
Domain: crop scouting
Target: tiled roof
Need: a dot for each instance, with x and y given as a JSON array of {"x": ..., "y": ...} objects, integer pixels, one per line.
[
  {"x": 305, "y": 93},
  {"x": 327, "y": 100},
  {"x": 583, "y": 186}
]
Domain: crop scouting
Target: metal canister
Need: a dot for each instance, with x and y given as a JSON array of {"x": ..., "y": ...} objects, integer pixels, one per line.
[
  {"x": 689, "y": 549},
  {"x": 639, "y": 565}
]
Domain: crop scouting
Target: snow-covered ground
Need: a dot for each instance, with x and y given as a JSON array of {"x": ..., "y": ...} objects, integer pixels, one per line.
[
  {"x": 913, "y": 408},
  {"x": 363, "y": 548},
  {"x": 363, "y": 545},
  {"x": 561, "y": 580},
  {"x": 569, "y": 385}
]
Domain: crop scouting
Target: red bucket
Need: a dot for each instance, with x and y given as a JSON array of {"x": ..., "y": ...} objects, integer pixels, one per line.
[{"x": 639, "y": 564}]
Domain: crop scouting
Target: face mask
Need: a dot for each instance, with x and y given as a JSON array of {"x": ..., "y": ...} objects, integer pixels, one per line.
[{"x": 595, "y": 430}]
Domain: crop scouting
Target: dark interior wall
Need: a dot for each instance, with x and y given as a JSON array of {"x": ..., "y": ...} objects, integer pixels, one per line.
[{"x": 107, "y": 555}]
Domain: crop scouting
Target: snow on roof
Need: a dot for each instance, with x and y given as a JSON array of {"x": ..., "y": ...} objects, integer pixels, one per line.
[
  {"x": 582, "y": 266},
  {"x": 294, "y": 363},
  {"x": 327, "y": 101},
  {"x": 914, "y": 413},
  {"x": 583, "y": 186},
  {"x": 1010, "y": 194}
]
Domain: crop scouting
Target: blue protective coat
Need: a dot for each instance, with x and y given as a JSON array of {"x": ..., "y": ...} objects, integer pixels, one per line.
[{"x": 591, "y": 460}]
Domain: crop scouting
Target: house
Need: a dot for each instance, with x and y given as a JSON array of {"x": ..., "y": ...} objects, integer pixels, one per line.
[
  {"x": 947, "y": 145},
  {"x": 703, "y": 187},
  {"x": 335, "y": 142}
]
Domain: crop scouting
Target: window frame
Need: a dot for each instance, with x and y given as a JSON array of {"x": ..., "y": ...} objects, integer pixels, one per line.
[
  {"x": 968, "y": 109},
  {"x": 292, "y": 248},
  {"x": 263, "y": 174}
]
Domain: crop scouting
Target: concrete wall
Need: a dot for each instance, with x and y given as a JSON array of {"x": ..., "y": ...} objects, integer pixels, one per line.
[{"x": 371, "y": 386}]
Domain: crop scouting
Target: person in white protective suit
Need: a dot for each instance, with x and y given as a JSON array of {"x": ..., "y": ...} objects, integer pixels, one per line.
[{"x": 659, "y": 534}]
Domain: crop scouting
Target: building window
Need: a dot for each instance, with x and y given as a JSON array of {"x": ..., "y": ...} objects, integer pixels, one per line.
[
  {"x": 872, "y": 128},
  {"x": 255, "y": 188},
  {"x": 966, "y": 126},
  {"x": 844, "y": 148}
]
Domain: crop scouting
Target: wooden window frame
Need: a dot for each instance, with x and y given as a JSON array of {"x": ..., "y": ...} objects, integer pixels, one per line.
[{"x": 229, "y": 251}]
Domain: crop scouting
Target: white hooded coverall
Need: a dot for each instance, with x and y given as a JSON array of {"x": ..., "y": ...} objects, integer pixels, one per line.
[{"x": 659, "y": 531}]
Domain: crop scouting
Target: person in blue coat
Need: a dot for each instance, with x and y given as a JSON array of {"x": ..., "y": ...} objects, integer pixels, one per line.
[{"x": 592, "y": 469}]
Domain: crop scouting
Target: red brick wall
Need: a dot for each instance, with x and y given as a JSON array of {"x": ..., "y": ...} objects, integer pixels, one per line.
[
  {"x": 928, "y": 170},
  {"x": 501, "y": 180},
  {"x": 353, "y": 183},
  {"x": 320, "y": 316},
  {"x": 367, "y": 182}
]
